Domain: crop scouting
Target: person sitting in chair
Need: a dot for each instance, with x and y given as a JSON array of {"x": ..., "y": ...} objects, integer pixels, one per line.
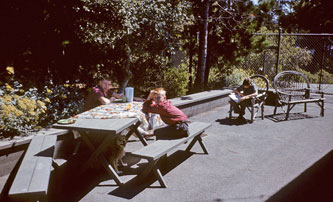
[{"x": 246, "y": 91}]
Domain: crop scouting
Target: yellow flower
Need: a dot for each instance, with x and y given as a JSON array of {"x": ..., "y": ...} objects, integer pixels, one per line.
[
  {"x": 16, "y": 96},
  {"x": 21, "y": 91},
  {"x": 10, "y": 70},
  {"x": 22, "y": 105},
  {"x": 40, "y": 103},
  {"x": 7, "y": 98},
  {"x": 48, "y": 91},
  {"x": 27, "y": 119},
  {"x": 32, "y": 113},
  {"x": 66, "y": 85},
  {"x": 18, "y": 113},
  {"x": 8, "y": 87},
  {"x": 47, "y": 100}
]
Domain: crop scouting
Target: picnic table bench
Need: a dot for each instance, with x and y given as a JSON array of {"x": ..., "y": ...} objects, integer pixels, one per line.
[
  {"x": 158, "y": 149},
  {"x": 32, "y": 178},
  {"x": 293, "y": 88}
]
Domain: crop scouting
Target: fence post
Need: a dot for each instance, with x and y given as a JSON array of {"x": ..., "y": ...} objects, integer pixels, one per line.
[
  {"x": 322, "y": 62},
  {"x": 278, "y": 53}
]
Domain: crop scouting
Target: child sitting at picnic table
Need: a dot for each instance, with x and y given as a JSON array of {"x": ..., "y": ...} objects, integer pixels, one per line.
[
  {"x": 102, "y": 94},
  {"x": 175, "y": 119}
]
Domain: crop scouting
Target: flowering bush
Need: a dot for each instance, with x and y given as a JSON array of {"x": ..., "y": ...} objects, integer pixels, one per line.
[
  {"x": 63, "y": 100},
  {"x": 25, "y": 111},
  {"x": 21, "y": 111}
]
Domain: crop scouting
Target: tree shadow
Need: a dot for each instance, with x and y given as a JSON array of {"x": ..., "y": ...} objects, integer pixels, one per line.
[{"x": 314, "y": 184}]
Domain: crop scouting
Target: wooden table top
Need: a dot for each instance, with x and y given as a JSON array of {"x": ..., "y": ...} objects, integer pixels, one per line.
[{"x": 99, "y": 125}]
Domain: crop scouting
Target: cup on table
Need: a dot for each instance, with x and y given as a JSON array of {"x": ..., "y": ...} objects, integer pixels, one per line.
[{"x": 129, "y": 93}]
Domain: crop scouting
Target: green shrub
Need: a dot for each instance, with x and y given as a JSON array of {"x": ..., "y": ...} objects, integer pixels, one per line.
[
  {"x": 237, "y": 76},
  {"x": 175, "y": 81},
  {"x": 215, "y": 79},
  {"x": 327, "y": 78}
]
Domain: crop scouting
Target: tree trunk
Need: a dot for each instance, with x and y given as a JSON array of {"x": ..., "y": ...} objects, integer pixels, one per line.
[
  {"x": 190, "y": 69},
  {"x": 126, "y": 71},
  {"x": 207, "y": 70},
  {"x": 202, "y": 55}
]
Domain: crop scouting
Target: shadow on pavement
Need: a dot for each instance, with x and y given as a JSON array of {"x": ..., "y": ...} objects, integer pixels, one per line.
[
  {"x": 232, "y": 121},
  {"x": 314, "y": 184},
  {"x": 136, "y": 185},
  {"x": 292, "y": 116}
]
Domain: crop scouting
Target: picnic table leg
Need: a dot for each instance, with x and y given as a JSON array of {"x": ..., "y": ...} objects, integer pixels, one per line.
[
  {"x": 95, "y": 151},
  {"x": 159, "y": 176},
  {"x": 96, "y": 154},
  {"x": 134, "y": 129},
  {"x": 110, "y": 170},
  {"x": 152, "y": 166},
  {"x": 77, "y": 137},
  {"x": 202, "y": 145},
  {"x": 195, "y": 139}
]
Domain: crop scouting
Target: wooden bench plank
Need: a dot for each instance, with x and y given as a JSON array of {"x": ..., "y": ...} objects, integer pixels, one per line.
[
  {"x": 304, "y": 101},
  {"x": 24, "y": 175},
  {"x": 160, "y": 147},
  {"x": 41, "y": 175},
  {"x": 34, "y": 172},
  {"x": 153, "y": 152}
]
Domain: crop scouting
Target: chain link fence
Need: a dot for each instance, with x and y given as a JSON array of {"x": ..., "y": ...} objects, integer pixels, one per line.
[{"x": 311, "y": 54}]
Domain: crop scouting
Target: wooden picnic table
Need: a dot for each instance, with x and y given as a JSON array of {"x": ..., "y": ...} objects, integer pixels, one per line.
[
  {"x": 103, "y": 123},
  {"x": 106, "y": 127}
]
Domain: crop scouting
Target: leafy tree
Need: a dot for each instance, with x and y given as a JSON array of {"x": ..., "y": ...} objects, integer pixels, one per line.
[
  {"x": 230, "y": 27},
  {"x": 292, "y": 55},
  {"x": 132, "y": 33},
  {"x": 313, "y": 16}
]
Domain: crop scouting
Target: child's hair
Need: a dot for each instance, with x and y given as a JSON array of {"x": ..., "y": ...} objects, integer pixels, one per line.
[
  {"x": 247, "y": 82},
  {"x": 160, "y": 91}
]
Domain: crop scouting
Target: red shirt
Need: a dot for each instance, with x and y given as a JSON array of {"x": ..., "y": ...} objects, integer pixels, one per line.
[{"x": 169, "y": 113}]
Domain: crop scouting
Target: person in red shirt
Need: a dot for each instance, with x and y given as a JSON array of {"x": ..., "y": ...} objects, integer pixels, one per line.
[{"x": 175, "y": 118}]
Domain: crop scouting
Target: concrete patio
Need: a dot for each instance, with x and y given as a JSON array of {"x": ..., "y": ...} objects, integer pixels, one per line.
[{"x": 268, "y": 160}]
